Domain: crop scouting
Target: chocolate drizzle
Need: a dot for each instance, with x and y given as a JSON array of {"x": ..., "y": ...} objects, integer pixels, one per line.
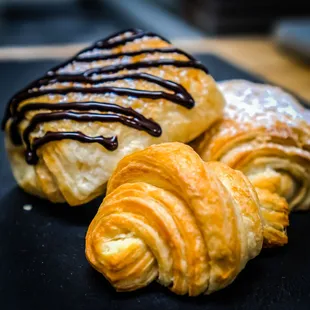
[
  {"x": 135, "y": 53},
  {"x": 94, "y": 84},
  {"x": 134, "y": 119},
  {"x": 31, "y": 154},
  {"x": 105, "y": 44}
]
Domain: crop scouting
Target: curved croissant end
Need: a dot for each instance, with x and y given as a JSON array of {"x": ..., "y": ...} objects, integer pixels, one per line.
[
  {"x": 274, "y": 210},
  {"x": 265, "y": 134},
  {"x": 169, "y": 216}
]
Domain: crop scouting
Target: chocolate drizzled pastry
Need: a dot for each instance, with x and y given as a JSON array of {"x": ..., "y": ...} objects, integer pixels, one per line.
[
  {"x": 126, "y": 80},
  {"x": 126, "y": 116}
]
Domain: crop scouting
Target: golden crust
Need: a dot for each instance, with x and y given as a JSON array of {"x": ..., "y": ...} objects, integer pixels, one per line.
[
  {"x": 264, "y": 133},
  {"x": 191, "y": 225},
  {"x": 274, "y": 211},
  {"x": 77, "y": 172}
]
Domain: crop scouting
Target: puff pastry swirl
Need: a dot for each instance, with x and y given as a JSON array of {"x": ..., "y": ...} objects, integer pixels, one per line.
[
  {"x": 265, "y": 134},
  {"x": 169, "y": 216},
  {"x": 66, "y": 131}
]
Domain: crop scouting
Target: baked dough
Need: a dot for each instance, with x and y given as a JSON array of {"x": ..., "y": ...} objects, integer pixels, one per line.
[
  {"x": 148, "y": 91},
  {"x": 169, "y": 216},
  {"x": 265, "y": 134}
]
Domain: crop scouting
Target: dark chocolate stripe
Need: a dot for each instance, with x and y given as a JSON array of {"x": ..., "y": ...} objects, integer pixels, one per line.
[
  {"x": 147, "y": 124},
  {"x": 87, "y": 117},
  {"x": 104, "y": 44},
  {"x": 82, "y": 77},
  {"x": 135, "y": 53},
  {"x": 103, "y": 90},
  {"x": 147, "y": 64},
  {"x": 120, "y": 91},
  {"x": 31, "y": 153},
  {"x": 178, "y": 89},
  {"x": 122, "y": 32}
]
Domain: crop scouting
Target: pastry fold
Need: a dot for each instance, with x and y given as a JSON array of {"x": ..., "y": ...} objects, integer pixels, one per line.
[
  {"x": 66, "y": 131},
  {"x": 265, "y": 134},
  {"x": 169, "y": 216}
]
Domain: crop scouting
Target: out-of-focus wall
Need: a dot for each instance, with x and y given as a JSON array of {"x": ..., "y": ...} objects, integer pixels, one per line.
[
  {"x": 34, "y": 1},
  {"x": 12, "y": 2},
  {"x": 239, "y": 16}
]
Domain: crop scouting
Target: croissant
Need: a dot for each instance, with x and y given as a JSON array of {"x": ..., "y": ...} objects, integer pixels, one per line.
[
  {"x": 66, "y": 131},
  {"x": 169, "y": 216},
  {"x": 265, "y": 134}
]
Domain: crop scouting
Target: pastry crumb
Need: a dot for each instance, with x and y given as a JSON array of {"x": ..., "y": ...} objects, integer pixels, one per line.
[{"x": 27, "y": 207}]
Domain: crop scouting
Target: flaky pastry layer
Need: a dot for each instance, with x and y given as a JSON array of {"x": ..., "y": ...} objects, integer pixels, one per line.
[{"x": 170, "y": 217}]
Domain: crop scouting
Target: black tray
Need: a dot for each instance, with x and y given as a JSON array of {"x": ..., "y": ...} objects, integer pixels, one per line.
[{"x": 42, "y": 262}]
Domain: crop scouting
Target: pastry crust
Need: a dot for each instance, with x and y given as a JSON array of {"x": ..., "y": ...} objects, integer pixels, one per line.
[
  {"x": 169, "y": 216},
  {"x": 265, "y": 134},
  {"x": 75, "y": 172}
]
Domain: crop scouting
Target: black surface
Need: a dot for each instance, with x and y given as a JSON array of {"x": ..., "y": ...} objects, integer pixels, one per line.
[{"x": 42, "y": 262}]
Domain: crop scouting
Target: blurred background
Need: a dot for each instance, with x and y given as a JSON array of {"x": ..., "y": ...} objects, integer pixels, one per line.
[
  {"x": 69, "y": 21},
  {"x": 270, "y": 38}
]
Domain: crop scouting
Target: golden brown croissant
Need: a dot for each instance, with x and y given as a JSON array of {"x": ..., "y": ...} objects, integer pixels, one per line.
[
  {"x": 66, "y": 132},
  {"x": 265, "y": 134},
  {"x": 169, "y": 216}
]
